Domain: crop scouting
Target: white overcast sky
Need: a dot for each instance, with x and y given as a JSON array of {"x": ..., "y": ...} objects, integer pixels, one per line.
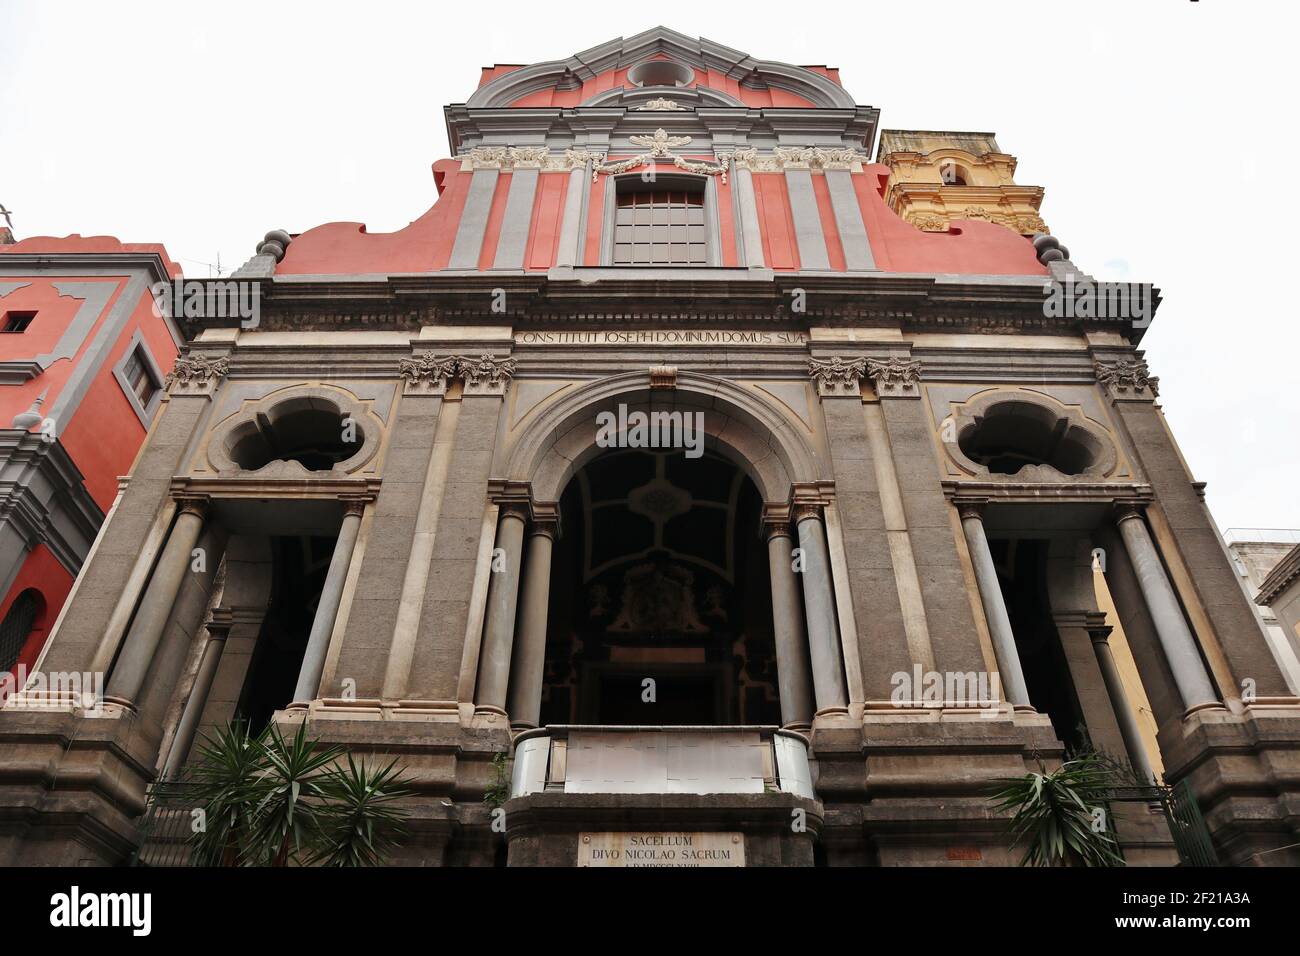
[{"x": 1163, "y": 132}]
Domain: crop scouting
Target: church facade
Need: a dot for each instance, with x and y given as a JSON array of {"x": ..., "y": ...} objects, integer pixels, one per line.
[{"x": 691, "y": 482}]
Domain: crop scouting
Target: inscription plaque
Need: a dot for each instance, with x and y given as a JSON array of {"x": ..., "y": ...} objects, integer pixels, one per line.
[{"x": 658, "y": 848}]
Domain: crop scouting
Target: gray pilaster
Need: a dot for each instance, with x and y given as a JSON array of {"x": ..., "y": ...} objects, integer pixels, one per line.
[
  {"x": 499, "y": 627},
  {"x": 528, "y": 661},
  {"x": 807, "y": 221},
  {"x": 792, "y": 667},
  {"x": 819, "y": 608},
  {"x": 322, "y": 625},
  {"x": 515, "y": 223},
  {"x": 1175, "y": 637},
  {"x": 995, "y": 608},
  {"x": 848, "y": 220},
  {"x": 156, "y": 605},
  {"x": 747, "y": 223},
  {"x": 473, "y": 220},
  {"x": 569, "y": 254}
]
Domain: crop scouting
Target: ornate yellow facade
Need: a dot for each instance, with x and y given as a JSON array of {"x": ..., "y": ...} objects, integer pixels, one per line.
[{"x": 937, "y": 177}]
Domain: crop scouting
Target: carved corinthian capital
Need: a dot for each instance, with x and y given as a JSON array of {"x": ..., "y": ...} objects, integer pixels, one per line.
[
  {"x": 486, "y": 375},
  {"x": 426, "y": 374},
  {"x": 895, "y": 377},
  {"x": 1127, "y": 378},
  {"x": 196, "y": 375},
  {"x": 837, "y": 376}
]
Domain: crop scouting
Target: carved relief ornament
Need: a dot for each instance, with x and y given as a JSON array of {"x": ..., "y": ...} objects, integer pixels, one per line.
[
  {"x": 799, "y": 157},
  {"x": 528, "y": 157},
  {"x": 196, "y": 375},
  {"x": 660, "y": 146},
  {"x": 1127, "y": 377},
  {"x": 429, "y": 375}
]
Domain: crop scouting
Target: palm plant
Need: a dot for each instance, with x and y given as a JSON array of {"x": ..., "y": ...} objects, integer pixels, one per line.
[
  {"x": 268, "y": 800},
  {"x": 1055, "y": 814}
]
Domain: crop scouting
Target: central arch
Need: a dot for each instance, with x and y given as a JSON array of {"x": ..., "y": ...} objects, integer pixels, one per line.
[{"x": 771, "y": 447}]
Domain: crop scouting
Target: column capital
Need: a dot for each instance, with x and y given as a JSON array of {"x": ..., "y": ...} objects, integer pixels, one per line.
[
  {"x": 196, "y": 374},
  {"x": 803, "y": 510},
  {"x": 1127, "y": 379},
  {"x": 895, "y": 377},
  {"x": 192, "y": 504},
  {"x": 354, "y": 506},
  {"x": 220, "y": 621},
  {"x": 426, "y": 374},
  {"x": 485, "y": 375},
  {"x": 838, "y": 377},
  {"x": 970, "y": 508},
  {"x": 545, "y": 526},
  {"x": 1124, "y": 510}
]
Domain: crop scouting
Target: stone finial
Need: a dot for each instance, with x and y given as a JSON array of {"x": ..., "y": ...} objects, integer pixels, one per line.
[
  {"x": 25, "y": 421},
  {"x": 1049, "y": 248},
  {"x": 837, "y": 376},
  {"x": 1127, "y": 378}
]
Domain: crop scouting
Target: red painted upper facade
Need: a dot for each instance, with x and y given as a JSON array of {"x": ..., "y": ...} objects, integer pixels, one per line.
[
  {"x": 776, "y": 155},
  {"x": 83, "y": 356}
]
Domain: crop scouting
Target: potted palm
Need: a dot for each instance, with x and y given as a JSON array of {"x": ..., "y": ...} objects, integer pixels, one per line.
[
  {"x": 270, "y": 800},
  {"x": 1061, "y": 816}
]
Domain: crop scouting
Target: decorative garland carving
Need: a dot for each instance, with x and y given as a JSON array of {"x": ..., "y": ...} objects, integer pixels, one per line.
[
  {"x": 660, "y": 146},
  {"x": 661, "y": 105},
  {"x": 508, "y": 158}
]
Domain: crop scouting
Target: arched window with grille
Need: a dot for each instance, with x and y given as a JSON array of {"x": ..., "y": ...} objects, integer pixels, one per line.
[{"x": 17, "y": 626}]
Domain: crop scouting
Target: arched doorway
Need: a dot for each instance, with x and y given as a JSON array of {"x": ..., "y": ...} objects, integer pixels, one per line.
[{"x": 660, "y": 607}]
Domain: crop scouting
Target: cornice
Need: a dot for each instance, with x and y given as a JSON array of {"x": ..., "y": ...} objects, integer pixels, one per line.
[{"x": 1277, "y": 581}]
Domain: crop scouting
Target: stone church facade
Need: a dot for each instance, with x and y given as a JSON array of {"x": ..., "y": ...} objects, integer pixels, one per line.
[{"x": 666, "y": 457}]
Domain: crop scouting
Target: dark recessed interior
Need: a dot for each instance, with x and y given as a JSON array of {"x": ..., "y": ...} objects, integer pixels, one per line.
[
  {"x": 1011, "y": 435},
  {"x": 317, "y": 437}
]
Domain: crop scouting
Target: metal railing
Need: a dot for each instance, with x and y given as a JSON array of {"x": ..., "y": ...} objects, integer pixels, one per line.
[
  {"x": 166, "y": 825},
  {"x": 661, "y": 759}
]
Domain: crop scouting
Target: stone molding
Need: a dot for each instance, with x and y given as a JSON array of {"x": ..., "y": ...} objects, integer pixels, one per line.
[
  {"x": 799, "y": 157},
  {"x": 1127, "y": 378},
  {"x": 196, "y": 375},
  {"x": 46, "y": 501},
  {"x": 507, "y": 158}
]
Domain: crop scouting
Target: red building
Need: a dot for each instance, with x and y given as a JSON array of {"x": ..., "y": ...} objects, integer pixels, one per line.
[{"x": 83, "y": 356}]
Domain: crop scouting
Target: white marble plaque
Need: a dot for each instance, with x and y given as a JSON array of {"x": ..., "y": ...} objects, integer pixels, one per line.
[{"x": 661, "y": 848}]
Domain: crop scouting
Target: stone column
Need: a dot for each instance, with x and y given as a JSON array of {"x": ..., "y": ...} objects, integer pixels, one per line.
[
  {"x": 819, "y": 608},
  {"x": 503, "y": 596},
  {"x": 322, "y": 625},
  {"x": 1175, "y": 637},
  {"x": 528, "y": 662},
  {"x": 218, "y": 628},
  {"x": 1124, "y": 716},
  {"x": 995, "y": 608},
  {"x": 156, "y": 605},
  {"x": 792, "y": 669}
]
